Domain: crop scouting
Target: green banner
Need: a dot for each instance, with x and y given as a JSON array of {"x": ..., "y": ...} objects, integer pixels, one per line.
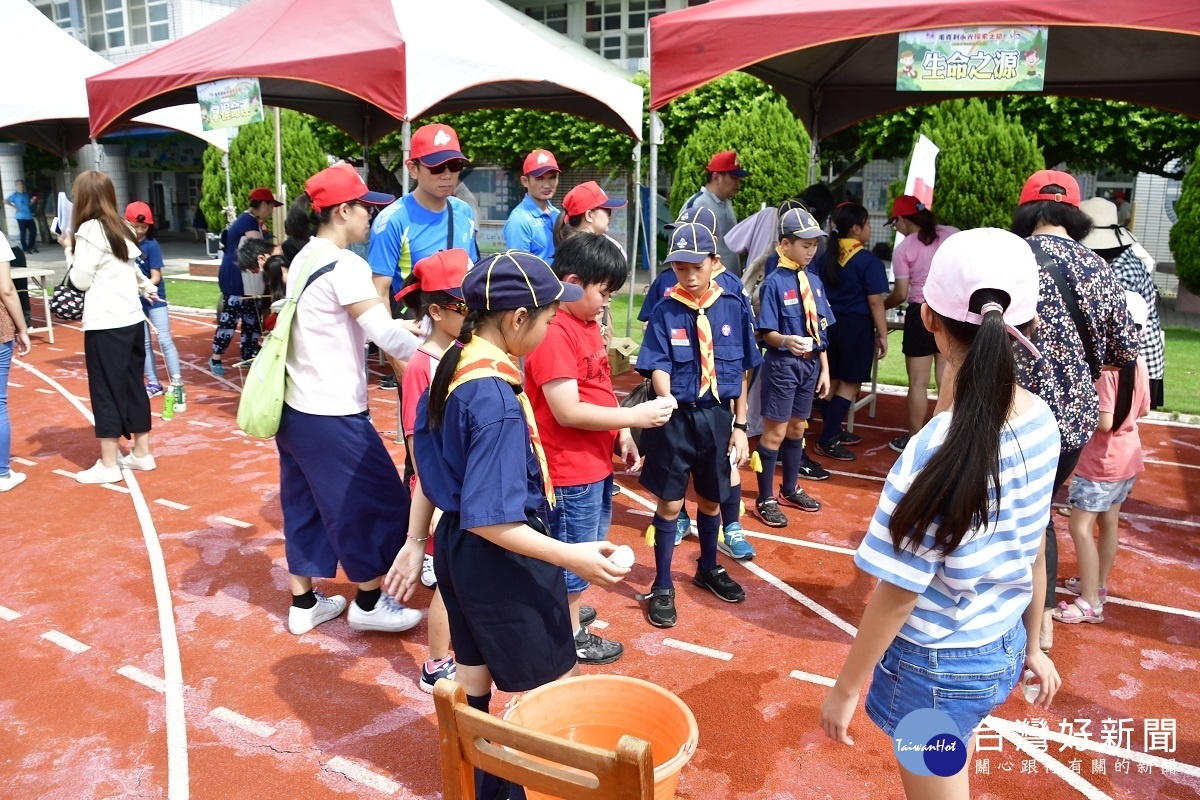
[
  {"x": 229, "y": 103},
  {"x": 988, "y": 58}
]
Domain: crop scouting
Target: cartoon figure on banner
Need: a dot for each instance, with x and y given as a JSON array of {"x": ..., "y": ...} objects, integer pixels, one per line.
[
  {"x": 907, "y": 70},
  {"x": 1032, "y": 60}
]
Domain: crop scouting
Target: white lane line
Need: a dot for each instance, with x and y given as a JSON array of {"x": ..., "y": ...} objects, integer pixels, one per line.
[
  {"x": 24, "y": 462},
  {"x": 144, "y": 678},
  {"x": 1019, "y": 730},
  {"x": 387, "y": 400},
  {"x": 1171, "y": 463},
  {"x": 1128, "y": 516},
  {"x": 200, "y": 424},
  {"x": 832, "y": 548},
  {"x": 820, "y": 680},
  {"x": 1120, "y": 601},
  {"x": 801, "y": 598},
  {"x": 210, "y": 374},
  {"x": 699, "y": 650},
  {"x": 66, "y": 642},
  {"x": 116, "y": 487},
  {"x": 55, "y": 349},
  {"x": 856, "y": 475},
  {"x": 245, "y": 723},
  {"x": 170, "y": 504},
  {"x": 64, "y": 473},
  {"x": 237, "y": 523},
  {"x": 599, "y": 624},
  {"x": 1052, "y": 765},
  {"x": 43, "y": 391},
  {"x": 8, "y": 615},
  {"x": 360, "y": 774},
  {"x": 177, "y": 753},
  {"x": 16, "y": 385}
]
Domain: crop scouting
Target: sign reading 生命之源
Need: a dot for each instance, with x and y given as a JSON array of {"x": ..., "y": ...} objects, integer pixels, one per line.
[
  {"x": 985, "y": 58},
  {"x": 229, "y": 103}
]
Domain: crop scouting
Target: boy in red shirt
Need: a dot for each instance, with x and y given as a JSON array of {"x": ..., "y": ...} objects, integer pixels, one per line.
[{"x": 570, "y": 387}]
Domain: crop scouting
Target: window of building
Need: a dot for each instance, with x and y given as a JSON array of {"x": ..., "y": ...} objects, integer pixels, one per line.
[
  {"x": 57, "y": 12},
  {"x": 553, "y": 17},
  {"x": 617, "y": 28},
  {"x": 121, "y": 23}
]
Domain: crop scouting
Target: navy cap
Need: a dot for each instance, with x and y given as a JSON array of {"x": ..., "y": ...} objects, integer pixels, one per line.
[
  {"x": 799, "y": 223},
  {"x": 691, "y": 243},
  {"x": 697, "y": 214},
  {"x": 515, "y": 279}
]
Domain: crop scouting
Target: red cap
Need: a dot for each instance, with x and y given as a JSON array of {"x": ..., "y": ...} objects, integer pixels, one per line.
[
  {"x": 1118, "y": 194},
  {"x": 137, "y": 211},
  {"x": 1050, "y": 177},
  {"x": 727, "y": 161},
  {"x": 905, "y": 206},
  {"x": 586, "y": 196},
  {"x": 341, "y": 184},
  {"x": 441, "y": 272},
  {"x": 263, "y": 193},
  {"x": 435, "y": 144},
  {"x": 539, "y": 162}
]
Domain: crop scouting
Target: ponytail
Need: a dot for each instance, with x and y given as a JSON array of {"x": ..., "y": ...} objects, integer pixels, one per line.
[
  {"x": 927, "y": 223},
  {"x": 1124, "y": 403},
  {"x": 955, "y": 492},
  {"x": 302, "y": 205},
  {"x": 565, "y": 227},
  {"x": 439, "y": 387}
]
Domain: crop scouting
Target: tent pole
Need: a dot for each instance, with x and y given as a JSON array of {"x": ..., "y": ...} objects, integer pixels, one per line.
[
  {"x": 229, "y": 209},
  {"x": 656, "y": 138},
  {"x": 278, "y": 155},
  {"x": 366, "y": 147},
  {"x": 406, "y": 139},
  {"x": 635, "y": 242}
]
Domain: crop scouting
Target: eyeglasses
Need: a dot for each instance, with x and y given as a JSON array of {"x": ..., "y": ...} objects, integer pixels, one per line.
[
  {"x": 460, "y": 307},
  {"x": 454, "y": 165}
]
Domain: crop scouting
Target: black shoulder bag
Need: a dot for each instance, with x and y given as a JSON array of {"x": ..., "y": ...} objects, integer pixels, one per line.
[{"x": 1048, "y": 264}]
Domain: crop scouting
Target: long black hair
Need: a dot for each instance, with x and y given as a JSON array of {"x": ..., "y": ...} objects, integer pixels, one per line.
[
  {"x": 302, "y": 209},
  {"x": 845, "y": 217},
  {"x": 272, "y": 273},
  {"x": 957, "y": 489},
  {"x": 926, "y": 223}
]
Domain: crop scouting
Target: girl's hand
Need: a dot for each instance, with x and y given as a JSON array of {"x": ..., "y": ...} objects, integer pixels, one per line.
[
  {"x": 24, "y": 345},
  {"x": 64, "y": 239},
  {"x": 739, "y": 448},
  {"x": 836, "y": 712},
  {"x": 589, "y": 560},
  {"x": 880, "y": 346},
  {"x": 405, "y": 574},
  {"x": 1043, "y": 668}
]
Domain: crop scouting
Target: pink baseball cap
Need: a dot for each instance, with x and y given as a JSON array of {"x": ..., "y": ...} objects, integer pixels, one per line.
[{"x": 985, "y": 258}]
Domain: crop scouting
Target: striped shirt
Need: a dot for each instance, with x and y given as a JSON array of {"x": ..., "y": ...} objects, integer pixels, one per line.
[{"x": 980, "y": 591}]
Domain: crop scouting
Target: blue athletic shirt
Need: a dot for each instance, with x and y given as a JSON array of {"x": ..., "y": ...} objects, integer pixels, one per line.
[
  {"x": 781, "y": 309},
  {"x": 480, "y": 464},
  {"x": 531, "y": 229},
  {"x": 229, "y": 277},
  {"x": 670, "y": 345},
  {"x": 406, "y": 231},
  {"x": 666, "y": 281},
  {"x": 151, "y": 258},
  {"x": 863, "y": 275},
  {"x": 22, "y": 202},
  {"x": 981, "y": 590}
]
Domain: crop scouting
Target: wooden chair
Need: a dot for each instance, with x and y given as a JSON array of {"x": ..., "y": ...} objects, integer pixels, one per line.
[{"x": 471, "y": 738}]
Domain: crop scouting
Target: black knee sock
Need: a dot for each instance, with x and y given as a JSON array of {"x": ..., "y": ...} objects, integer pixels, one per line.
[
  {"x": 793, "y": 454},
  {"x": 835, "y": 415},
  {"x": 367, "y": 598},
  {"x": 305, "y": 601},
  {"x": 731, "y": 509},
  {"x": 706, "y": 529},
  {"x": 767, "y": 476},
  {"x": 664, "y": 551},
  {"x": 487, "y": 785},
  {"x": 481, "y": 703}
]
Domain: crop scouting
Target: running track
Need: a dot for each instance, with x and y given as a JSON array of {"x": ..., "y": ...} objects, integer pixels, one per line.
[{"x": 145, "y": 651}]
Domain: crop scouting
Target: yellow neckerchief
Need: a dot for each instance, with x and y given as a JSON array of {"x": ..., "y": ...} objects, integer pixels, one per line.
[
  {"x": 846, "y": 250},
  {"x": 482, "y": 359},
  {"x": 812, "y": 321},
  {"x": 704, "y": 334}
]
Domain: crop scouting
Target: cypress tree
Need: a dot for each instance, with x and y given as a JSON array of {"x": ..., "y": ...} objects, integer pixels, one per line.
[{"x": 1185, "y": 233}]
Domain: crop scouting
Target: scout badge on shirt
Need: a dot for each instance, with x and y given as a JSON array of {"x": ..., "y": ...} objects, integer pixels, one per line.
[
  {"x": 667, "y": 291},
  {"x": 726, "y": 329},
  {"x": 679, "y": 337},
  {"x": 791, "y": 297}
]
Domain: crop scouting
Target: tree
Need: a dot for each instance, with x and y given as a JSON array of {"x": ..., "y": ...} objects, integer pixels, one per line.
[
  {"x": 252, "y": 163},
  {"x": 771, "y": 144},
  {"x": 985, "y": 158},
  {"x": 1185, "y": 233}
]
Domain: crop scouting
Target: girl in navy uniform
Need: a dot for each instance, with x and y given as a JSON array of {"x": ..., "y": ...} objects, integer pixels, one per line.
[{"x": 697, "y": 349}]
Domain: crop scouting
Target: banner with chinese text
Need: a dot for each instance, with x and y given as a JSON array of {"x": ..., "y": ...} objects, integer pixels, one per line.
[
  {"x": 229, "y": 103},
  {"x": 985, "y": 58}
]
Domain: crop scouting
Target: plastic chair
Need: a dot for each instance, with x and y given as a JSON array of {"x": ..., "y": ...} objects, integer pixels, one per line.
[{"x": 471, "y": 738}]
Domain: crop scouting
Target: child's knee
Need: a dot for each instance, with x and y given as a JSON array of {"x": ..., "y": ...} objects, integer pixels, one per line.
[
  {"x": 796, "y": 428},
  {"x": 708, "y": 507},
  {"x": 669, "y": 509}
]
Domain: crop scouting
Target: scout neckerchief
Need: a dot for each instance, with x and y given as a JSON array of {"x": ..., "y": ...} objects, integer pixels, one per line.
[
  {"x": 847, "y": 248},
  {"x": 704, "y": 334},
  {"x": 482, "y": 359},
  {"x": 812, "y": 321}
]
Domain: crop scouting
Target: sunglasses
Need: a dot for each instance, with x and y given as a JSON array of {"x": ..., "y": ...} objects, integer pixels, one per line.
[
  {"x": 372, "y": 210},
  {"x": 454, "y": 165},
  {"x": 459, "y": 307}
]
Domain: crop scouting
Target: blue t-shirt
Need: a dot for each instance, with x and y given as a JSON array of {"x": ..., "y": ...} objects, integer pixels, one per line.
[
  {"x": 863, "y": 275},
  {"x": 21, "y": 200},
  {"x": 670, "y": 345},
  {"x": 661, "y": 287},
  {"x": 480, "y": 464},
  {"x": 229, "y": 277},
  {"x": 781, "y": 307},
  {"x": 151, "y": 258},
  {"x": 406, "y": 231},
  {"x": 531, "y": 229}
]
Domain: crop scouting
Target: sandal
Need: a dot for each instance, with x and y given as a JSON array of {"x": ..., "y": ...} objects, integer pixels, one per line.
[
  {"x": 1073, "y": 586},
  {"x": 1077, "y": 611}
]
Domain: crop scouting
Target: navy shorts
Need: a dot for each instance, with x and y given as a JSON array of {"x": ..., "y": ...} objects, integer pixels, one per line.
[
  {"x": 343, "y": 501},
  {"x": 787, "y": 385},
  {"x": 507, "y": 611},
  {"x": 851, "y": 349},
  {"x": 918, "y": 341},
  {"x": 965, "y": 683},
  {"x": 693, "y": 444}
]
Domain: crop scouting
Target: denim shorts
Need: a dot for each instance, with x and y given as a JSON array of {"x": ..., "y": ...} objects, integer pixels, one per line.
[
  {"x": 1096, "y": 496},
  {"x": 966, "y": 684},
  {"x": 581, "y": 514}
]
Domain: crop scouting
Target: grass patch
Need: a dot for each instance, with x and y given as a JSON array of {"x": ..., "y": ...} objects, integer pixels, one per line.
[
  {"x": 193, "y": 294},
  {"x": 1181, "y": 383}
]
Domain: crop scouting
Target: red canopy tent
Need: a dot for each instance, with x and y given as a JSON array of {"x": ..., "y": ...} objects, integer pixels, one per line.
[{"x": 835, "y": 60}]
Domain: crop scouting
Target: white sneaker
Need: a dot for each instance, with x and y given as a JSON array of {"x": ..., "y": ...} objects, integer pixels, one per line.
[
  {"x": 98, "y": 473},
  {"x": 11, "y": 480},
  {"x": 428, "y": 577},
  {"x": 388, "y": 616},
  {"x": 144, "y": 463},
  {"x": 303, "y": 620}
]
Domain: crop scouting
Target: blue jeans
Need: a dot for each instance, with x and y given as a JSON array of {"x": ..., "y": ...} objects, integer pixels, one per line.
[
  {"x": 160, "y": 318},
  {"x": 581, "y": 514},
  {"x": 6, "y": 352}
]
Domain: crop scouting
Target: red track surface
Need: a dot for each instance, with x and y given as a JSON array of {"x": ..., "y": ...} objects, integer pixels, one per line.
[{"x": 336, "y": 713}]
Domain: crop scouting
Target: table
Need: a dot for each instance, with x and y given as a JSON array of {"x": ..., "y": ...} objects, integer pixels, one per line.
[
  {"x": 38, "y": 278},
  {"x": 871, "y": 396}
]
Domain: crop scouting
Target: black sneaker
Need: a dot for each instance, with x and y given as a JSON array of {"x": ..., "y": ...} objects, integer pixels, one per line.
[
  {"x": 798, "y": 498},
  {"x": 849, "y": 439},
  {"x": 768, "y": 511},
  {"x": 591, "y": 649},
  {"x": 719, "y": 583},
  {"x": 899, "y": 443},
  {"x": 661, "y": 611},
  {"x": 587, "y": 615},
  {"x": 834, "y": 450},
  {"x": 388, "y": 381},
  {"x": 812, "y": 471}
]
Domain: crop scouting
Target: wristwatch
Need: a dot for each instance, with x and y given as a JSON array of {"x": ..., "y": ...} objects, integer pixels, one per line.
[{"x": 741, "y": 426}]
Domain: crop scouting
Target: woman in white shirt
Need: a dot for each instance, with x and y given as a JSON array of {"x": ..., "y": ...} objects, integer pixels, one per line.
[{"x": 101, "y": 258}]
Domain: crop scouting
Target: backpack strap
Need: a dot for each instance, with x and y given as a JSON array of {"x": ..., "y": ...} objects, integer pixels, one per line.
[{"x": 1050, "y": 266}]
